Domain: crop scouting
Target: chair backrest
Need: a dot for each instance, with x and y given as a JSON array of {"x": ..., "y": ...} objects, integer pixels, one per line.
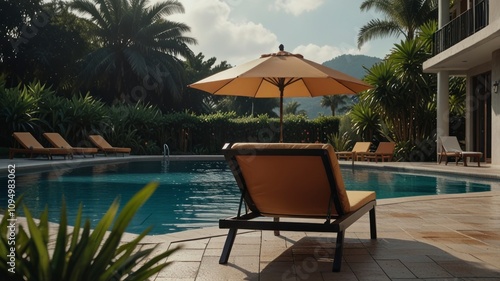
[
  {"x": 450, "y": 144},
  {"x": 27, "y": 140},
  {"x": 57, "y": 140},
  {"x": 361, "y": 146},
  {"x": 386, "y": 148},
  {"x": 289, "y": 179},
  {"x": 99, "y": 141}
]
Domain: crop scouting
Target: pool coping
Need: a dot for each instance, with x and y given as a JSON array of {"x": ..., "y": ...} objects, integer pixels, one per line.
[{"x": 486, "y": 170}]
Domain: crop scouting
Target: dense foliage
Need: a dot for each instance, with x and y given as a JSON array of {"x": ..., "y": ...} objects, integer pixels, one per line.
[
  {"x": 402, "y": 105},
  {"x": 143, "y": 127}
]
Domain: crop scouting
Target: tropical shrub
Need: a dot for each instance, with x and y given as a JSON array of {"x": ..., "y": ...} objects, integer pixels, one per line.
[
  {"x": 73, "y": 118},
  {"x": 366, "y": 120},
  {"x": 340, "y": 142},
  {"x": 403, "y": 97},
  {"x": 82, "y": 254},
  {"x": 136, "y": 126},
  {"x": 19, "y": 109}
]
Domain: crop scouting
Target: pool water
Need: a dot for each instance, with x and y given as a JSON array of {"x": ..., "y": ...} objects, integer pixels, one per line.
[{"x": 192, "y": 194}]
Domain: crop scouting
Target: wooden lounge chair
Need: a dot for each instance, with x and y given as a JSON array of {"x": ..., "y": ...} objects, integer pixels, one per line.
[
  {"x": 31, "y": 146},
  {"x": 105, "y": 147},
  {"x": 299, "y": 182},
  {"x": 385, "y": 151},
  {"x": 58, "y": 141},
  {"x": 451, "y": 148},
  {"x": 359, "y": 147}
]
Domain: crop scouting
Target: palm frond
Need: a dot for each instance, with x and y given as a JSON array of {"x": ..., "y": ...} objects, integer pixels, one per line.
[
  {"x": 136, "y": 60},
  {"x": 380, "y": 5},
  {"x": 378, "y": 28}
]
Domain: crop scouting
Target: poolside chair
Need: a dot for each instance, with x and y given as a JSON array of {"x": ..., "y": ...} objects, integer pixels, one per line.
[
  {"x": 58, "y": 141},
  {"x": 384, "y": 151},
  {"x": 359, "y": 147},
  {"x": 297, "y": 181},
  {"x": 31, "y": 146},
  {"x": 451, "y": 148},
  {"x": 105, "y": 147}
]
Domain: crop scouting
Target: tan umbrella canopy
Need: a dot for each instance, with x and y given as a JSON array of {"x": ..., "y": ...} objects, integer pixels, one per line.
[{"x": 280, "y": 75}]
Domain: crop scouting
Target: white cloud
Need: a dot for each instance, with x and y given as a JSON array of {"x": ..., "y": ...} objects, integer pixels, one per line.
[
  {"x": 320, "y": 54},
  {"x": 218, "y": 36},
  {"x": 235, "y": 38},
  {"x": 297, "y": 7}
]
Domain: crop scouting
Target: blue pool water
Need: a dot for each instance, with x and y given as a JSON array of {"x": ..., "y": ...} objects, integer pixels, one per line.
[{"x": 192, "y": 194}]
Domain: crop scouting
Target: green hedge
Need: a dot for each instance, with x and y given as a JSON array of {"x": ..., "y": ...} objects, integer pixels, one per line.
[{"x": 216, "y": 129}]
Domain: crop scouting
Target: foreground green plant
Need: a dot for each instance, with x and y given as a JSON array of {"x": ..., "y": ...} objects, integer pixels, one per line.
[{"x": 83, "y": 254}]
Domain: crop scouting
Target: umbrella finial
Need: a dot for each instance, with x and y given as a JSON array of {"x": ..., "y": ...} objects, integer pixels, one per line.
[{"x": 282, "y": 48}]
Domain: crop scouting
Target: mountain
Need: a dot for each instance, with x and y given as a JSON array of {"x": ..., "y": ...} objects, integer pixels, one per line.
[{"x": 353, "y": 65}]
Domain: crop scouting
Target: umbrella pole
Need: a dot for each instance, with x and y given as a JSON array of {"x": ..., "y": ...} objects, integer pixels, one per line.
[{"x": 281, "y": 115}]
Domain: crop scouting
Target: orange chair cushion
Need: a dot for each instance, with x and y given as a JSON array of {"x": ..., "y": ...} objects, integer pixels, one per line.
[{"x": 292, "y": 185}]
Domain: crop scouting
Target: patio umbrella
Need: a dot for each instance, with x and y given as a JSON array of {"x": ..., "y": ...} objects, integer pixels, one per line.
[{"x": 280, "y": 75}]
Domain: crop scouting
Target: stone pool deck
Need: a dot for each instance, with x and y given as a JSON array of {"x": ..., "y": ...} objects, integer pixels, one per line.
[{"x": 439, "y": 237}]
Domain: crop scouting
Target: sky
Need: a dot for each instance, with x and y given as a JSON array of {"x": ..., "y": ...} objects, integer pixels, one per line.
[{"x": 237, "y": 31}]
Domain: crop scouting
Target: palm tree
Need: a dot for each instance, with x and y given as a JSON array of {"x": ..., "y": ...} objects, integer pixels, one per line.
[
  {"x": 197, "y": 68},
  {"x": 402, "y": 17},
  {"x": 293, "y": 108},
  {"x": 138, "y": 48},
  {"x": 334, "y": 102}
]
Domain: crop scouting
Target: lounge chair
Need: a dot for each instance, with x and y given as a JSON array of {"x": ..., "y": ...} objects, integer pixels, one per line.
[
  {"x": 299, "y": 182},
  {"x": 451, "y": 148},
  {"x": 31, "y": 146},
  {"x": 359, "y": 147},
  {"x": 58, "y": 141},
  {"x": 105, "y": 147},
  {"x": 384, "y": 151}
]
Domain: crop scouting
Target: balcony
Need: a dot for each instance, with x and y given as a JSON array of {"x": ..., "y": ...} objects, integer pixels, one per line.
[{"x": 461, "y": 27}]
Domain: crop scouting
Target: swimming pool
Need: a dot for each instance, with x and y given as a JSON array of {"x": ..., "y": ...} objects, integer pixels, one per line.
[{"x": 192, "y": 194}]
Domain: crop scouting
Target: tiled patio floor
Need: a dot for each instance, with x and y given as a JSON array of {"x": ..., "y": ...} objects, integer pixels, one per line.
[
  {"x": 442, "y": 237},
  {"x": 433, "y": 238}
]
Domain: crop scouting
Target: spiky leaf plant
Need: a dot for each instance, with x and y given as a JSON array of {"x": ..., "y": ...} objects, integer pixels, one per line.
[{"x": 82, "y": 254}]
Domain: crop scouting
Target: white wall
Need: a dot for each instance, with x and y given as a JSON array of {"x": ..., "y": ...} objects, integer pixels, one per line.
[
  {"x": 495, "y": 107},
  {"x": 494, "y": 10}
]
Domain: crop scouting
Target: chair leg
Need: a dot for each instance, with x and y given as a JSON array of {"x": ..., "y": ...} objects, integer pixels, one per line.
[
  {"x": 339, "y": 249},
  {"x": 276, "y": 232},
  {"x": 373, "y": 224},
  {"x": 231, "y": 235}
]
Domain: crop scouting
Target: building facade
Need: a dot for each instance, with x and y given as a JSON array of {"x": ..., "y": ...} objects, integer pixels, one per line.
[{"x": 468, "y": 44}]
